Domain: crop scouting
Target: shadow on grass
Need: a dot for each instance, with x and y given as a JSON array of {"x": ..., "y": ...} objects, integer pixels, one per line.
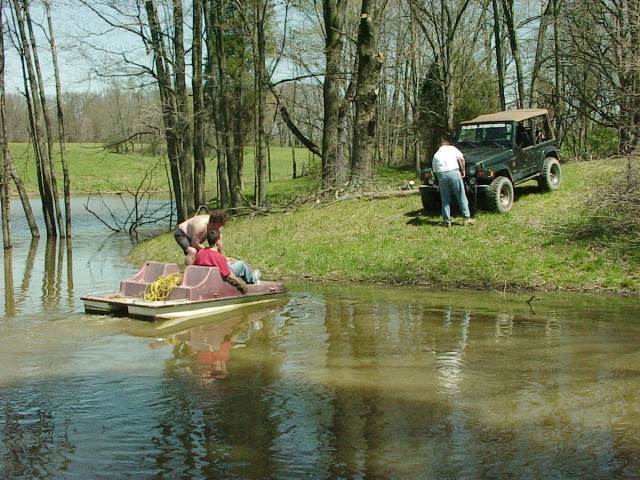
[{"x": 421, "y": 217}]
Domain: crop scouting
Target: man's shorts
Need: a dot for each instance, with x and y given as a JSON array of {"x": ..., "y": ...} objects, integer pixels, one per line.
[{"x": 182, "y": 239}]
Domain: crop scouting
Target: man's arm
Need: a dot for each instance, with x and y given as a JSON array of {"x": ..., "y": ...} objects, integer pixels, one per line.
[{"x": 461, "y": 164}]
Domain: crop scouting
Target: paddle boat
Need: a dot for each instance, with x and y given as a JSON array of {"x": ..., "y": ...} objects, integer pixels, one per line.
[{"x": 198, "y": 291}]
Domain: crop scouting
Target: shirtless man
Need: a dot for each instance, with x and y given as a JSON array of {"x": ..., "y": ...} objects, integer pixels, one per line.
[{"x": 192, "y": 233}]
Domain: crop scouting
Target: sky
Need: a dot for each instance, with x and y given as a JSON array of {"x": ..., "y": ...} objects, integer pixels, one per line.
[{"x": 85, "y": 49}]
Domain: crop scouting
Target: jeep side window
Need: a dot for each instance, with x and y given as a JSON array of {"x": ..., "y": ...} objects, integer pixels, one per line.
[
  {"x": 542, "y": 130},
  {"x": 524, "y": 138}
]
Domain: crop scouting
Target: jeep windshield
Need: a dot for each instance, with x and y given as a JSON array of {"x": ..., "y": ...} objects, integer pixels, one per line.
[{"x": 485, "y": 134}]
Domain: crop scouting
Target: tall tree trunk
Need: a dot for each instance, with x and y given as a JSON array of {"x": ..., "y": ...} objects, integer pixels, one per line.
[
  {"x": 199, "y": 167},
  {"x": 497, "y": 35},
  {"x": 539, "y": 60},
  {"x": 61, "y": 128},
  {"x": 225, "y": 169},
  {"x": 5, "y": 203},
  {"x": 48, "y": 157},
  {"x": 261, "y": 81},
  {"x": 369, "y": 65},
  {"x": 168, "y": 101},
  {"x": 215, "y": 101},
  {"x": 183, "y": 124},
  {"x": 9, "y": 170},
  {"x": 333, "y": 165},
  {"x": 43, "y": 166},
  {"x": 508, "y": 11}
]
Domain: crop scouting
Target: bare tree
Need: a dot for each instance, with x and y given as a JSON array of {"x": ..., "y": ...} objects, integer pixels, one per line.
[
  {"x": 61, "y": 129},
  {"x": 600, "y": 51},
  {"x": 34, "y": 95}
]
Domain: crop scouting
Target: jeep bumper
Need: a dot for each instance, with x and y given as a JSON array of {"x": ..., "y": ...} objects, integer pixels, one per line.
[{"x": 469, "y": 188}]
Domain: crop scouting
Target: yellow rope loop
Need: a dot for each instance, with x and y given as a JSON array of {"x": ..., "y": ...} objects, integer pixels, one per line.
[{"x": 161, "y": 288}]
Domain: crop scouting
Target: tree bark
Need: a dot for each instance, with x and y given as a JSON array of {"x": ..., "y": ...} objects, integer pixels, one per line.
[
  {"x": 183, "y": 124},
  {"x": 507, "y": 10},
  {"x": 169, "y": 109},
  {"x": 334, "y": 171},
  {"x": 5, "y": 203},
  {"x": 261, "y": 82},
  {"x": 369, "y": 66},
  {"x": 497, "y": 35},
  {"x": 199, "y": 164},
  {"x": 43, "y": 166},
  {"x": 61, "y": 127}
]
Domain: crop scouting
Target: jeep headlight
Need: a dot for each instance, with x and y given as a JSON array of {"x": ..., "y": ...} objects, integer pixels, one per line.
[
  {"x": 471, "y": 181},
  {"x": 471, "y": 170}
]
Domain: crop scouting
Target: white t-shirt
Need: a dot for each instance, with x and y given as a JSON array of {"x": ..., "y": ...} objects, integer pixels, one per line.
[{"x": 446, "y": 159}]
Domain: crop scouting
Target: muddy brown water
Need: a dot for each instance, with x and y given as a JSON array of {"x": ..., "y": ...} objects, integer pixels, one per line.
[{"x": 332, "y": 382}]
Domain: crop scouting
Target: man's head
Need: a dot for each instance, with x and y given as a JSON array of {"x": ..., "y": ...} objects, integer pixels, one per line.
[
  {"x": 213, "y": 237},
  {"x": 445, "y": 141},
  {"x": 218, "y": 218}
]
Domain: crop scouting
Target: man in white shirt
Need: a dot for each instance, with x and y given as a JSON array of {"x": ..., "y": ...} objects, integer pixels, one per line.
[{"x": 448, "y": 164}]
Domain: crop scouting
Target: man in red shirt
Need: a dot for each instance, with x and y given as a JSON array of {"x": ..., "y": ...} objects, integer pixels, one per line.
[{"x": 211, "y": 257}]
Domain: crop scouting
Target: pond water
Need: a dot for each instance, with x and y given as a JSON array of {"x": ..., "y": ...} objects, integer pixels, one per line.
[{"x": 332, "y": 382}]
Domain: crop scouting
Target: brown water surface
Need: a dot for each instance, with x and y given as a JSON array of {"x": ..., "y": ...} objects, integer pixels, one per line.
[{"x": 333, "y": 382}]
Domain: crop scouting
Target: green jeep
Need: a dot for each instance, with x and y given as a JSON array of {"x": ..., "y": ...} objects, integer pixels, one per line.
[{"x": 501, "y": 150}]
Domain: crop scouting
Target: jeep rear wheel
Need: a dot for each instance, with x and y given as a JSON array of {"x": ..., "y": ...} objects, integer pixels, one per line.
[
  {"x": 551, "y": 175},
  {"x": 501, "y": 195}
]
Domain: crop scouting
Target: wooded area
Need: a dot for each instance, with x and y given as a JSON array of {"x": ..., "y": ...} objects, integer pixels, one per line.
[{"x": 360, "y": 83}]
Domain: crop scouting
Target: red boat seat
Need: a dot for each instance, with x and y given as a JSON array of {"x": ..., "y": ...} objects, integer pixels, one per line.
[
  {"x": 150, "y": 271},
  {"x": 202, "y": 283}
]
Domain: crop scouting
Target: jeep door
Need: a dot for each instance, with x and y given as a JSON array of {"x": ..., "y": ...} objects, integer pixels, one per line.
[{"x": 526, "y": 152}]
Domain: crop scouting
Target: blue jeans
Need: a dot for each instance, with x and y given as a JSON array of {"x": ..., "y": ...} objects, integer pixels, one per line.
[
  {"x": 451, "y": 182},
  {"x": 242, "y": 270}
]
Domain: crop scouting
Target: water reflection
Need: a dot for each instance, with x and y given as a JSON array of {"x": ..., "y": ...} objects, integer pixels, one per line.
[
  {"x": 9, "y": 291},
  {"x": 333, "y": 382}
]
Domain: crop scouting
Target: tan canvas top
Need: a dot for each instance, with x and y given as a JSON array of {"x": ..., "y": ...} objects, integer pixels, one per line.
[{"x": 510, "y": 115}]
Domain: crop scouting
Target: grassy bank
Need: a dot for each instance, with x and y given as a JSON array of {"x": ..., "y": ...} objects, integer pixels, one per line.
[
  {"x": 92, "y": 169},
  {"x": 392, "y": 240}
]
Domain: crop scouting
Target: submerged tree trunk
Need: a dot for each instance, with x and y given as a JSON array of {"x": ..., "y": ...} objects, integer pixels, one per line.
[
  {"x": 61, "y": 128},
  {"x": 5, "y": 203},
  {"x": 43, "y": 166}
]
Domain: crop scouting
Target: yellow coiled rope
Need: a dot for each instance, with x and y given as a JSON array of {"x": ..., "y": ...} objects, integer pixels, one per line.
[{"x": 161, "y": 288}]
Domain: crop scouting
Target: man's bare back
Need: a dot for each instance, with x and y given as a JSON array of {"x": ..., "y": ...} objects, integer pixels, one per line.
[{"x": 191, "y": 233}]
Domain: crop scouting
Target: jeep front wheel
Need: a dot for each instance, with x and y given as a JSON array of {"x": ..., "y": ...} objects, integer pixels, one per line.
[
  {"x": 501, "y": 195},
  {"x": 551, "y": 175},
  {"x": 430, "y": 200}
]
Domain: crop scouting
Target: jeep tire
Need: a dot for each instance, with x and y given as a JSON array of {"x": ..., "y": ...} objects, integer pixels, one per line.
[
  {"x": 550, "y": 176},
  {"x": 500, "y": 195},
  {"x": 430, "y": 200}
]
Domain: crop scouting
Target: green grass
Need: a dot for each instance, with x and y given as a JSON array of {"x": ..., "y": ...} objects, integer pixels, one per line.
[
  {"x": 393, "y": 240},
  {"x": 92, "y": 169}
]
